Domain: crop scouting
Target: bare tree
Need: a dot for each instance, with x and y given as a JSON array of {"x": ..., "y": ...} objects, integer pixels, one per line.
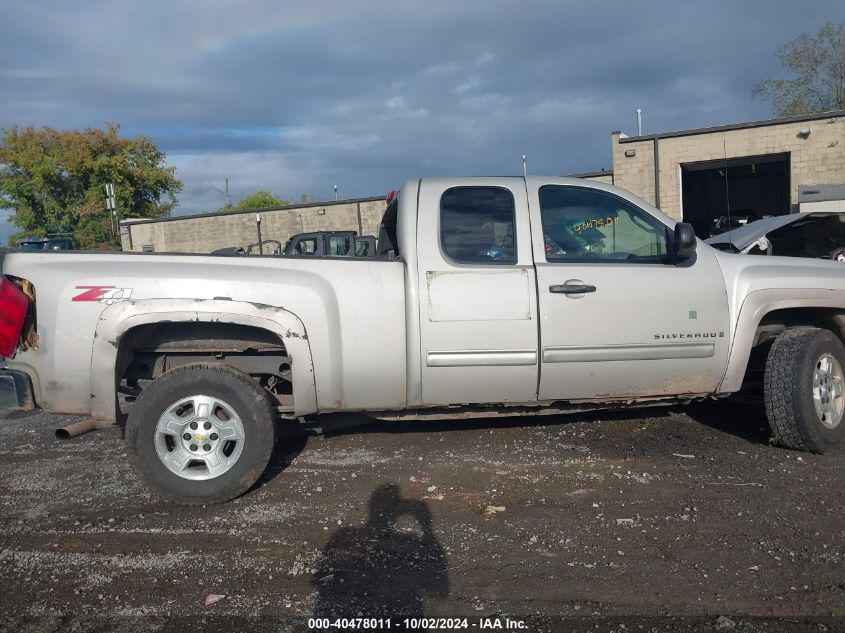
[{"x": 818, "y": 64}]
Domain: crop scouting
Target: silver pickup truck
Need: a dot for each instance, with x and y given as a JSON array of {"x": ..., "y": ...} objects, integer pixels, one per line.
[{"x": 489, "y": 296}]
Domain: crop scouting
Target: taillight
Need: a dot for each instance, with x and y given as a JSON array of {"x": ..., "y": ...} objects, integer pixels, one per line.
[{"x": 13, "y": 308}]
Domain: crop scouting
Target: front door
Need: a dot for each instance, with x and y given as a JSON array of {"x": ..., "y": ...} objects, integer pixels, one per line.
[
  {"x": 477, "y": 293},
  {"x": 617, "y": 318}
]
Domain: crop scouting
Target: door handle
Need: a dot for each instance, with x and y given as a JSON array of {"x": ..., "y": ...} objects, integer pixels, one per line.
[{"x": 572, "y": 289}]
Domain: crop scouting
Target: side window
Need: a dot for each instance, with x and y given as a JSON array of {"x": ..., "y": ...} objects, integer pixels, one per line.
[
  {"x": 589, "y": 225},
  {"x": 339, "y": 245},
  {"x": 362, "y": 248},
  {"x": 477, "y": 225},
  {"x": 305, "y": 248}
]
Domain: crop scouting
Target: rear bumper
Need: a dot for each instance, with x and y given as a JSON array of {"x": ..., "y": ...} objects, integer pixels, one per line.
[{"x": 15, "y": 390}]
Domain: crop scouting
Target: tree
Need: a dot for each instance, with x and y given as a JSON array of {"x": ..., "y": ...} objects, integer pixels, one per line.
[
  {"x": 818, "y": 64},
  {"x": 54, "y": 180},
  {"x": 261, "y": 199}
]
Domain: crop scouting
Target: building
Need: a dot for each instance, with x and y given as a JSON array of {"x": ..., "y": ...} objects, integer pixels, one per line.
[
  {"x": 210, "y": 231},
  {"x": 758, "y": 168}
]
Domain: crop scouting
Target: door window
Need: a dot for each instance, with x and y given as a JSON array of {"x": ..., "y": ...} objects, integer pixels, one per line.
[
  {"x": 590, "y": 225},
  {"x": 477, "y": 225}
]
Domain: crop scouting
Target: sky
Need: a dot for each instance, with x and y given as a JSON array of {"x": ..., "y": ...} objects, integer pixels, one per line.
[{"x": 297, "y": 97}]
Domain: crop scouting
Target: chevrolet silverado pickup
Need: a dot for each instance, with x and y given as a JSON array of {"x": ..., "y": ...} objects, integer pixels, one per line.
[{"x": 488, "y": 296}]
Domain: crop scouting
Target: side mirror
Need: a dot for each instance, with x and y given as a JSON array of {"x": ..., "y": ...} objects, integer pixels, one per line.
[{"x": 684, "y": 242}]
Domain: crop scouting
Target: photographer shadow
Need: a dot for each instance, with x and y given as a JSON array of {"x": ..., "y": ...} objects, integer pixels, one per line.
[{"x": 384, "y": 568}]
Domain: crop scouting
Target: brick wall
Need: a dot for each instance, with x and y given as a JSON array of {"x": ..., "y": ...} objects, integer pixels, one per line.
[
  {"x": 815, "y": 160},
  {"x": 202, "y": 234}
]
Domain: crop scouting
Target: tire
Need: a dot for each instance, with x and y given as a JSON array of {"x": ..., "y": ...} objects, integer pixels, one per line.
[
  {"x": 838, "y": 255},
  {"x": 795, "y": 387},
  {"x": 218, "y": 459}
]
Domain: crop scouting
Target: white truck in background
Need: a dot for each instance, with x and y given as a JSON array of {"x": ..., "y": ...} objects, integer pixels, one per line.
[{"x": 488, "y": 295}]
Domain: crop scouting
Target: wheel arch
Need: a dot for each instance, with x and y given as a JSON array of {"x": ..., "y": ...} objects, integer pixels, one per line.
[
  {"x": 118, "y": 322},
  {"x": 766, "y": 311}
]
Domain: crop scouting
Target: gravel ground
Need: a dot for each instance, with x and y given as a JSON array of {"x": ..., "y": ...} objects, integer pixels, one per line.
[{"x": 658, "y": 519}]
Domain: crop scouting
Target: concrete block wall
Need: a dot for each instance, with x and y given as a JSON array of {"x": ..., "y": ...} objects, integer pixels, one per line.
[
  {"x": 636, "y": 174},
  {"x": 814, "y": 160},
  {"x": 371, "y": 212},
  {"x": 205, "y": 233}
]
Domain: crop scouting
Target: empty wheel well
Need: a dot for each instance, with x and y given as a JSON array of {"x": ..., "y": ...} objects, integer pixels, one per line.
[
  {"x": 778, "y": 321},
  {"x": 147, "y": 351}
]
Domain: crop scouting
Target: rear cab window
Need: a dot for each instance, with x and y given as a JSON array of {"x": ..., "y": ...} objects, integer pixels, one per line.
[{"x": 478, "y": 225}]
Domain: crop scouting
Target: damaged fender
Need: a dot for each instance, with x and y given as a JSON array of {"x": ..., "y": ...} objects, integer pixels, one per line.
[{"x": 119, "y": 318}]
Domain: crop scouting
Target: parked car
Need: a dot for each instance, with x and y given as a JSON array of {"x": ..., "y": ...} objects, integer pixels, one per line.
[
  {"x": 53, "y": 242},
  {"x": 318, "y": 244},
  {"x": 330, "y": 244},
  {"x": 814, "y": 235},
  {"x": 264, "y": 247},
  {"x": 487, "y": 296}
]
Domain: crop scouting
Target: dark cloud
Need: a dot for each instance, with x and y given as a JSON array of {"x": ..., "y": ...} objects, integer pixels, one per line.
[{"x": 366, "y": 94}]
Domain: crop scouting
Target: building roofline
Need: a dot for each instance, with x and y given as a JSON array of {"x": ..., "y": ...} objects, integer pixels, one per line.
[
  {"x": 591, "y": 174},
  {"x": 290, "y": 207},
  {"x": 735, "y": 126}
]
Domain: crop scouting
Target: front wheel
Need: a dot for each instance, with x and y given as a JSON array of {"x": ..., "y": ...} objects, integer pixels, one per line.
[
  {"x": 803, "y": 389},
  {"x": 201, "y": 433}
]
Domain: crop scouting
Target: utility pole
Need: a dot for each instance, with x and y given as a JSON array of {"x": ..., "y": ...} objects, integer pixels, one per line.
[
  {"x": 111, "y": 207},
  {"x": 228, "y": 204}
]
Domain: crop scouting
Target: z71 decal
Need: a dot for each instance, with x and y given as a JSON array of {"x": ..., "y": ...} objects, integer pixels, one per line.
[{"x": 102, "y": 294}]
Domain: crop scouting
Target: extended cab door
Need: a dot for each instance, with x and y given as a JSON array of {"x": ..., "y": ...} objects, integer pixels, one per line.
[
  {"x": 477, "y": 292},
  {"x": 617, "y": 318}
]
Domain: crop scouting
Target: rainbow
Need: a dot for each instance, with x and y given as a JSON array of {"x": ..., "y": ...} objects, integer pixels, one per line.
[{"x": 266, "y": 27}]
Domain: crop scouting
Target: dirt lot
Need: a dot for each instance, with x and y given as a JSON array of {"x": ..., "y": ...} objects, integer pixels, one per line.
[{"x": 592, "y": 522}]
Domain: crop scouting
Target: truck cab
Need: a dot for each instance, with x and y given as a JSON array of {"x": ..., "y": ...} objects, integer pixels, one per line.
[{"x": 554, "y": 289}]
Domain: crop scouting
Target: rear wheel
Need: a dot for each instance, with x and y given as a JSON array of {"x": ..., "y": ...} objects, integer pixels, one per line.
[
  {"x": 803, "y": 389},
  {"x": 201, "y": 433}
]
